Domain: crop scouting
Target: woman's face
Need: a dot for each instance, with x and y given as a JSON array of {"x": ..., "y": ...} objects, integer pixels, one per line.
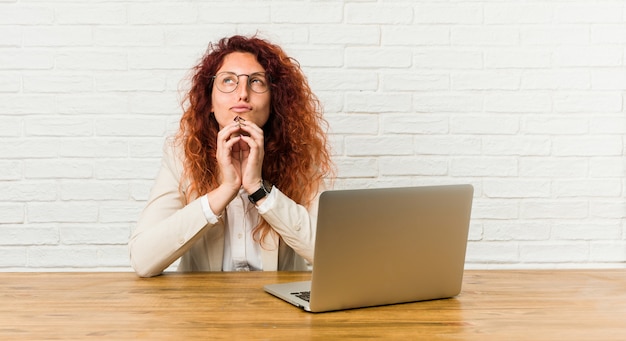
[{"x": 242, "y": 102}]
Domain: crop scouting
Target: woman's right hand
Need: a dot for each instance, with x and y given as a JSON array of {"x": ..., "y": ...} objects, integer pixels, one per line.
[{"x": 228, "y": 155}]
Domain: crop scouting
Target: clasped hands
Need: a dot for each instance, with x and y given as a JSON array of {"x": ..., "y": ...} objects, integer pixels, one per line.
[{"x": 240, "y": 152}]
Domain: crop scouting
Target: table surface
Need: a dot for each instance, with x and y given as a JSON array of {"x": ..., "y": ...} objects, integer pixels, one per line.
[{"x": 493, "y": 305}]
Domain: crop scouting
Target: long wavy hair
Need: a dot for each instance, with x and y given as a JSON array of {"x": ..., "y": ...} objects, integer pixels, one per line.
[{"x": 297, "y": 157}]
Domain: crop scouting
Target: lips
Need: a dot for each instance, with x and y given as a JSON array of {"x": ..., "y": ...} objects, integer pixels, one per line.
[{"x": 241, "y": 108}]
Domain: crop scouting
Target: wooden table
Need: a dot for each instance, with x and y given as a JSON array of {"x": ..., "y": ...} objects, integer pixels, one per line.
[{"x": 494, "y": 305}]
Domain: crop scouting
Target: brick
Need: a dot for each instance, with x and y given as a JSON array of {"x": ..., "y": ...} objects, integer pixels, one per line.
[
  {"x": 603, "y": 167},
  {"x": 429, "y": 59},
  {"x": 228, "y": 14},
  {"x": 524, "y": 102},
  {"x": 448, "y": 13},
  {"x": 92, "y": 60},
  {"x": 50, "y": 36},
  {"x": 607, "y": 208},
  {"x": 130, "y": 81},
  {"x": 345, "y": 34},
  {"x": 13, "y": 257},
  {"x": 130, "y": 127},
  {"x": 12, "y": 213},
  {"x": 120, "y": 212},
  {"x": 484, "y": 36},
  {"x": 372, "y": 146},
  {"x": 608, "y": 34},
  {"x": 513, "y": 13},
  {"x": 392, "y": 58},
  {"x": 553, "y": 167},
  {"x": 119, "y": 169},
  {"x": 20, "y": 104},
  {"x": 484, "y": 166},
  {"x": 378, "y": 102},
  {"x": 589, "y": 146},
  {"x": 59, "y": 126},
  {"x": 353, "y": 124},
  {"x": 97, "y": 148},
  {"x": 11, "y": 170},
  {"x": 554, "y": 252},
  {"x": 554, "y": 209},
  {"x": 492, "y": 252},
  {"x": 608, "y": 55},
  {"x": 413, "y": 81},
  {"x": 492, "y": 125},
  {"x": 64, "y": 212},
  {"x": 555, "y": 35},
  {"x": 102, "y": 14},
  {"x": 116, "y": 256},
  {"x": 447, "y": 145},
  {"x": 46, "y": 169},
  {"x": 93, "y": 190},
  {"x": 26, "y": 191},
  {"x": 413, "y": 165},
  {"x": 486, "y": 80},
  {"x": 542, "y": 80},
  {"x": 162, "y": 13},
  {"x": 28, "y": 148},
  {"x": 377, "y": 14},
  {"x": 344, "y": 80},
  {"x": 86, "y": 104},
  {"x": 589, "y": 14},
  {"x": 10, "y": 82},
  {"x": 305, "y": 13},
  {"x": 609, "y": 251},
  {"x": 518, "y": 231},
  {"x": 517, "y": 188},
  {"x": 556, "y": 125},
  {"x": 62, "y": 257},
  {"x": 19, "y": 14},
  {"x": 320, "y": 57},
  {"x": 415, "y": 124},
  {"x": 357, "y": 167},
  {"x": 518, "y": 58},
  {"x": 585, "y": 231},
  {"x": 615, "y": 124},
  {"x": 447, "y": 102},
  {"x": 10, "y": 36},
  {"x": 94, "y": 235},
  {"x": 28, "y": 236},
  {"x": 608, "y": 79},
  {"x": 516, "y": 145}
]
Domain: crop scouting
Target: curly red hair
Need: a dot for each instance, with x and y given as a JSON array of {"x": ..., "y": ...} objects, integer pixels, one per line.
[{"x": 297, "y": 158}]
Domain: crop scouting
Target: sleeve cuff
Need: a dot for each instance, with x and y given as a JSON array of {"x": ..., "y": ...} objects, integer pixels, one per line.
[
  {"x": 211, "y": 217},
  {"x": 267, "y": 204}
]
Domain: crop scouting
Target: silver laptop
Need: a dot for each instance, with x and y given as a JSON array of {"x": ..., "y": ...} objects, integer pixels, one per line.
[{"x": 385, "y": 246}]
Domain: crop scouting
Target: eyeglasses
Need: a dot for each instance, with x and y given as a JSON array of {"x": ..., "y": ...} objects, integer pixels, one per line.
[{"x": 227, "y": 82}]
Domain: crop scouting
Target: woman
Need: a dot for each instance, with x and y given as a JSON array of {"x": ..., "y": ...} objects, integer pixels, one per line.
[{"x": 239, "y": 183}]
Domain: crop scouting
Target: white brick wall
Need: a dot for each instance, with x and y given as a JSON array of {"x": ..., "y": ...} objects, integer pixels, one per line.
[{"x": 524, "y": 100}]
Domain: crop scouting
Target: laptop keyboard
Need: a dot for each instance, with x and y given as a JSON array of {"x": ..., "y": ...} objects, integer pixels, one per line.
[{"x": 304, "y": 295}]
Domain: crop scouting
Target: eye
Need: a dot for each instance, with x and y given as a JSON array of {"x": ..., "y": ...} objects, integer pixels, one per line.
[
  {"x": 257, "y": 79},
  {"x": 228, "y": 79}
]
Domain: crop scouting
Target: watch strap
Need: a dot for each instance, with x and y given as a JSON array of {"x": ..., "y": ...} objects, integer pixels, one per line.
[{"x": 260, "y": 193}]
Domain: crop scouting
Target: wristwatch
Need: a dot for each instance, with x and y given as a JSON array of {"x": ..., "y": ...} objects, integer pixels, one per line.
[{"x": 261, "y": 193}]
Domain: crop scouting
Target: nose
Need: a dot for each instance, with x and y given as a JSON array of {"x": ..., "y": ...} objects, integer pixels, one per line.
[{"x": 242, "y": 89}]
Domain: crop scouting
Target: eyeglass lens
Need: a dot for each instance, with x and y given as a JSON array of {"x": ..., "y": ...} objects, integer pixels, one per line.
[{"x": 228, "y": 81}]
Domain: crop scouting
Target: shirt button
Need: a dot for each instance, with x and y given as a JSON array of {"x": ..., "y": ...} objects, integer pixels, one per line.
[
  {"x": 240, "y": 236},
  {"x": 181, "y": 241},
  {"x": 297, "y": 227}
]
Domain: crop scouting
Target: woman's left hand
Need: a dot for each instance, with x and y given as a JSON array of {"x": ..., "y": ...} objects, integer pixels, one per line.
[{"x": 250, "y": 152}]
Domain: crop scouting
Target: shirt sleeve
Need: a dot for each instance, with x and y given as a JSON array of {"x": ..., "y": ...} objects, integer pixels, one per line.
[
  {"x": 168, "y": 225},
  {"x": 293, "y": 222}
]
